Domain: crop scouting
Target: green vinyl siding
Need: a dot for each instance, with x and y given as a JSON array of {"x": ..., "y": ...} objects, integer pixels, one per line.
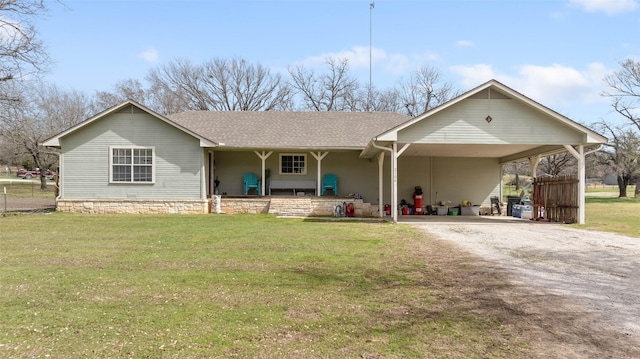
[{"x": 86, "y": 152}]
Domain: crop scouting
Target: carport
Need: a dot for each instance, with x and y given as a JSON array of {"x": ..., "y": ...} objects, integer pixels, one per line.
[{"x": 458, "y": 149}]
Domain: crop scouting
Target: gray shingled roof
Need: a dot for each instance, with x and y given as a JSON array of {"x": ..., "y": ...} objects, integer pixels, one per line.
[{"x": 278, "y": 129}]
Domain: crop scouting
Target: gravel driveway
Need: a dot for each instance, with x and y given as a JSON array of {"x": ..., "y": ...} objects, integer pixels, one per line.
[{"x": 596, "y": 274}]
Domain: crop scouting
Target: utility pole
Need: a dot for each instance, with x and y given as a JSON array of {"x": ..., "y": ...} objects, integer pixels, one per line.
[{"x": 370, "y": 100}]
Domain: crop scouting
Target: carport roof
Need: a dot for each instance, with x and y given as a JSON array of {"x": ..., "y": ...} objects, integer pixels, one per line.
[{"x": 452, "y": 141}]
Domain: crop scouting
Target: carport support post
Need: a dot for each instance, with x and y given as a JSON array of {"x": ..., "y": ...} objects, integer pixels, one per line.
[
  {"x": 380, "y": 184},
  {"x": 533, "y": 164},
  {"x": 394, "y": 176},
  {"x": 579, "y": 155},
  {"x": 263, "y": 156}
]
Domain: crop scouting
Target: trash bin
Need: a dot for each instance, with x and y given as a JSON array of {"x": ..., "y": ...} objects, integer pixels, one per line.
[{"x": 511, "y": 200}]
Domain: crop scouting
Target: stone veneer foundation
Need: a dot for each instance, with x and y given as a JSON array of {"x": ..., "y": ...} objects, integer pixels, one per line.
[
  {"x": 104, "y": 206},
  {"x": 276, "y": 205}
]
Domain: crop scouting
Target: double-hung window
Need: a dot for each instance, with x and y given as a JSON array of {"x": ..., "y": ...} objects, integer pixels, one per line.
[
  {"x": 293, "y": 163},
  {"x": 132, "y": 165}
]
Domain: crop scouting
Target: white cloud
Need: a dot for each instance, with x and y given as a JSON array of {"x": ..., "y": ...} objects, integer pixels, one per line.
[
  {"x": 150, "y": 54},
  {"x": 553, "y": 85},
  {"x": 358, "y": 57},
  {"x": 465, "y": 43},
  {"x": 609, "y": 7}
]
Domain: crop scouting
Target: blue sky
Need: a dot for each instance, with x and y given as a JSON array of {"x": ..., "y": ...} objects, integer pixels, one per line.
[{"x": 553, "y": 51}]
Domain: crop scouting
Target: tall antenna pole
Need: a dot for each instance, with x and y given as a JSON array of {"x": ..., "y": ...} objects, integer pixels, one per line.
[{"x": 370, "y": 100}]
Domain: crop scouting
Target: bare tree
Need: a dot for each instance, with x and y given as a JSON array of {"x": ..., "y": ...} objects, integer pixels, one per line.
[
  {"x": 335, "y": 90},
  {"x": 129, "y": 89},
  {"x": 43, "y": 112},
  {"x": 621, "y": 155},
  {"x": 558, "y": 164},
  {"x": 21, "y": 53},
  {"x": 181, "y": 81},
  {"x": 624, "y": 89},
  {"x": 385, "y": 100},
  {"x": 424, "y": 90},
  {"x": 219, "y": 84}
]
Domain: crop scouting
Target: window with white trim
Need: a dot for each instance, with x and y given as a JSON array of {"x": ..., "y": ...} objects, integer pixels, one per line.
[
  {"x": 132, "y": 165},
  {"x": 293, "y": 163}
]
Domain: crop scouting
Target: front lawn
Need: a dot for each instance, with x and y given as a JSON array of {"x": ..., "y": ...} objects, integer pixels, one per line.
[
  {"x": 613, "y": 214},
  {"x": 246, "y": 286}
]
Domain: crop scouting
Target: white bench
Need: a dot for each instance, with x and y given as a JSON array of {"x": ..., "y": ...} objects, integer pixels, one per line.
[{"x": 293, "y": 185}]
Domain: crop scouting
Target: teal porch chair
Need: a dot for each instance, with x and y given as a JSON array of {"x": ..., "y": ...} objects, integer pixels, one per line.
[
  {"x": 330, "y": 181},
  {"x": 249, "y": 181}
]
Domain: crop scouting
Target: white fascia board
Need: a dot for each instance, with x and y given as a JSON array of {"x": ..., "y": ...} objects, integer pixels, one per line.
[
  {"x": 206, "y": 143},
  {"x": 389, "y": 136},
  {"x": 52, "y": 142}
]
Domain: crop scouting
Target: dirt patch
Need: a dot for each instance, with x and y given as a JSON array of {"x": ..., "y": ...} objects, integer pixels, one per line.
[
  {"x": 564, "y": 292},
  {"x": 28, "y": 205}
]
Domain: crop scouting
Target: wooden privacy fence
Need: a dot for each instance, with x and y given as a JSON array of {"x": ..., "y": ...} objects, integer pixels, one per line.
[{"x": 556, "y": 198}]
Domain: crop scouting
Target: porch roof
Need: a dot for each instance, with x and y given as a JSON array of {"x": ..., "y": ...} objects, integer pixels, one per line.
[{"x": 289, "y": 130}]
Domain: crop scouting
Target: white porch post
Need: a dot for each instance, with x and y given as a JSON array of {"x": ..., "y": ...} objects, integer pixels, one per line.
[
  {"x": 319, "y": 156},
  {"x": 579, "y": 155},
  {"x": 212, "y": 172},
  {"x": 380, "y": 184},
  {"x": 203, "y": 175},
  {"x": 263, "y": 156}
]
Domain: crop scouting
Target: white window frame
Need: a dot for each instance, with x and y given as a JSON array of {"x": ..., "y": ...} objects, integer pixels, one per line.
[
  {"x": 132, "y": 164},
  {"x": 304, "y": 169}
]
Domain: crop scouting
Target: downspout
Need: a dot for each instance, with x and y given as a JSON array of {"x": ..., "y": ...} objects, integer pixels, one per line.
[
  {"x": 58, "y": 182},
  {"x": 393, "y": 208}
]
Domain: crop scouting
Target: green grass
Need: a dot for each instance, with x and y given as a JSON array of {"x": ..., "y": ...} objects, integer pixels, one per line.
[
  {"x": 613, "y": 214},
  {"x": 20, "y": 188},
  {"x": 609, "y": 189},
  {"x": 248, "y": 286}
]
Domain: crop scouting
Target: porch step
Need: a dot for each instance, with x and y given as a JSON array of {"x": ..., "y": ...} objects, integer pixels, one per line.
[{"x": 290, "y": 206}]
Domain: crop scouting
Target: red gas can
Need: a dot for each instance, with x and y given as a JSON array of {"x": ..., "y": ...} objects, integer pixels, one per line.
[
  {"x": 350, "y": 210},
  {"x": 387, "y": 209}
]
